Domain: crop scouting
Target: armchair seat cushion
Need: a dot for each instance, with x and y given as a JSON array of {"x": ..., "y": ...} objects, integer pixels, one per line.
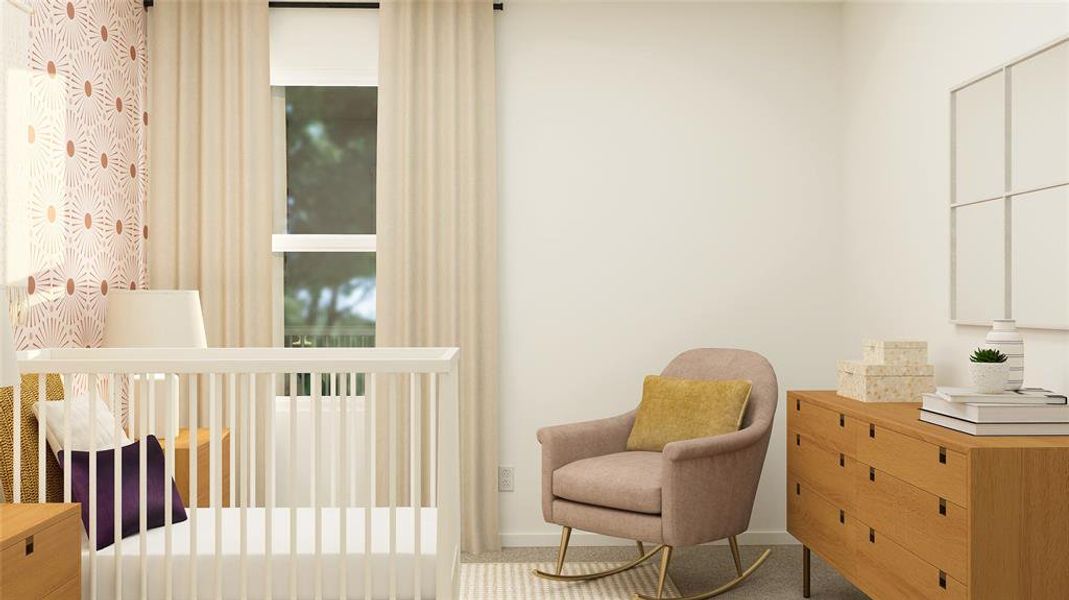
[{"x": 625, "y": 481}]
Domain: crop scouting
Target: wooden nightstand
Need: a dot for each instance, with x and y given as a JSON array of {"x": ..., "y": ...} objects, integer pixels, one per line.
[
  {"x": 41, "y": 551},
  {"x": 181, "y": 465}
]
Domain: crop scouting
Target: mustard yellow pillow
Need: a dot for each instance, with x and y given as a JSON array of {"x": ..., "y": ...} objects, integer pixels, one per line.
[{"x": 682, "y": 409}]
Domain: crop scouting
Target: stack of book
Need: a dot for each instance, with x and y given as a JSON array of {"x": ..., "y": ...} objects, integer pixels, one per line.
[{"x": 1028, "y": 411}]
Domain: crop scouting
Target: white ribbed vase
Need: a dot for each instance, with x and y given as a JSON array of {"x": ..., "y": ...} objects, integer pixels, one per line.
[{"x": 1005, "y": 338}]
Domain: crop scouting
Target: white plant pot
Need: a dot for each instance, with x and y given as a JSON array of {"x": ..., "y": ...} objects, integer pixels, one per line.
[{"x": 989, "y": 378}]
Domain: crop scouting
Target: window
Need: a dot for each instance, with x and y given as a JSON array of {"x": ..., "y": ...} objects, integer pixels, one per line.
[{"x": 327, "y": 247}]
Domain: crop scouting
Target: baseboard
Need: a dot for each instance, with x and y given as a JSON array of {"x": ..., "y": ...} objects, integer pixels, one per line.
[{"x": 582, "y": 538}]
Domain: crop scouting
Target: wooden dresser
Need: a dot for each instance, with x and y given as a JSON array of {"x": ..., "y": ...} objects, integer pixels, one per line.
[
  {"x": 40, "y": 551},
  {"x": 204, "y": 463},
  {"x": 905, "y": 509}
]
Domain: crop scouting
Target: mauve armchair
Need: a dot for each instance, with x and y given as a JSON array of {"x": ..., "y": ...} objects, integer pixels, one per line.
[{"x": 693, "y": 492}]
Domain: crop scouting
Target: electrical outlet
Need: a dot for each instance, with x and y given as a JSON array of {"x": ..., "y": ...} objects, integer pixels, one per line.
[{"x": 506, "y": 480}]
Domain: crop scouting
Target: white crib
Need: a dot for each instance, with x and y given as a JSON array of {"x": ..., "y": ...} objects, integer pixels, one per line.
[{"x": 341, "y": 535}]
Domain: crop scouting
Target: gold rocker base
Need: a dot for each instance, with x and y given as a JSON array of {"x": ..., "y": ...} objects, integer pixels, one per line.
[{"x": 666, "y": 557}]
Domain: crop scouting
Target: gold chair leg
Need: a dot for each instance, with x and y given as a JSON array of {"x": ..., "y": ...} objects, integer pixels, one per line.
[
  {"x": 734, "y": 543},
  {"x": 720, "y": 590},
  {"x": 591, "y": 576},
  {"x": 565, "y": 536},
  {"x": 641, "y": 548},
  {"x": 666, "y": 557}
]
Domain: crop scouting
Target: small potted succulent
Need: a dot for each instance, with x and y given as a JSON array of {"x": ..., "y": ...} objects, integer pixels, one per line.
[{"x": 990, "y": 371}]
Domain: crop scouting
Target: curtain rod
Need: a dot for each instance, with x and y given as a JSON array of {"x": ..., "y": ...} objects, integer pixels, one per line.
[{"x": 291, "y": 4}]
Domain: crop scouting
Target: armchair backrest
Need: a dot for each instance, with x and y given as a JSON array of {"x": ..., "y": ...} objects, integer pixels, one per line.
[
  {"x": 734, "y": 502},
  {"x": 730, "y": 363}
]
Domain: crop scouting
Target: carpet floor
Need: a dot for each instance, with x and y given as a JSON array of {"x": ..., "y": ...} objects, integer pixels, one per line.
[
  {"x": 702, "y": 568},
  {"x": 513, "y": 581}
]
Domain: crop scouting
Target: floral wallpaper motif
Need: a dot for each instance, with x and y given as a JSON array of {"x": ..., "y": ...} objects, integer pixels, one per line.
[{"x": 86, "y": 153}]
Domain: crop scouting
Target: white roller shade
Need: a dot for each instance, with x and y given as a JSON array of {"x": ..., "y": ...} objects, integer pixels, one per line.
[{"x": 324, "y": 47}]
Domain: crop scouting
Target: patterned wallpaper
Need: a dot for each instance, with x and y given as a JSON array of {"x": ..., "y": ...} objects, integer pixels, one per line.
[{"x": 86, "y": 153}]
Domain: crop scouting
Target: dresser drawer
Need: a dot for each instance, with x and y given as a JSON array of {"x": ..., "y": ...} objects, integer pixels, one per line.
[
  {"x": 819, "y": 524},
  {"x": 938, "y": 470},
  {"x": 72, "y": 590},
  {"x": 37, "y": 569},
  {"x": 833, "y": 430},
  {"x": 931, "y": 527},
  {"x": 886, "y": 570},
  {"x": 827, "y": 471}
]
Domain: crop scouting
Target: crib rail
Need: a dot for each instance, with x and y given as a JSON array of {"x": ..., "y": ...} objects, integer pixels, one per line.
[{"x": 303, "y": 445}]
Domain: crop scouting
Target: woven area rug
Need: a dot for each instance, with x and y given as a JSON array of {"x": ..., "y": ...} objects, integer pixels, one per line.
[{"x": 514, "y": 581}]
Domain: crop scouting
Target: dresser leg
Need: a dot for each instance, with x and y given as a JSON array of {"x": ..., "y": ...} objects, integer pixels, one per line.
[{"x": 805, "y": 571}]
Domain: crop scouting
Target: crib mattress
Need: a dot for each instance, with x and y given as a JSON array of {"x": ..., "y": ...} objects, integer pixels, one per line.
[{"x": 259, "y": 566}]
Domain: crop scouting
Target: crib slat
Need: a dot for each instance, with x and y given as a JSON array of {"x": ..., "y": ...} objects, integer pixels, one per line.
[
  {"x": 92, "y": 385},
  {"x": 151, "y": 407},
  {"x": 343, "y": 476},
  {"x": 292, "y": 493},
  {"x": 216, "y": 455},
  {"x": 66, "y": 440},
  {"x": 354, "y": 480},
  {"x": 252, "y": 439},
  {"x": 369, "y": 474},
  {"x": 243, "y": 558},
  {"x": 332, "y": 457},
  {"x": 131, "y": 405},
  {"x": 42, "y": 447},
  {"x": 142, "y": 486},
  {"x": 317, "y": 466},
  {"x": 391, "y": 468},
  {"x": 231, "y": 398},
  {"x": 432, "y": 434},
  {"x": 16, "y": 440},
  {"x": 116, "y": 410},
  {"x": 192, "y": 384},
  {"x": 416, "y": 460},
  {"x": 269, "y": 488},
  {"x": 168, "y": 498}
]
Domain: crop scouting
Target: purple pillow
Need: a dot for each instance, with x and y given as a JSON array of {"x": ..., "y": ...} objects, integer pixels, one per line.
[{"x": 131, "y": 506}]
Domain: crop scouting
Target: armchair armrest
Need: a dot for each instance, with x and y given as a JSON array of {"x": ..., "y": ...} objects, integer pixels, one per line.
[
  {"x": 711, "y": 446},
  {"x": 563, "y": 444},
  {"x": 708, "y": 485}
]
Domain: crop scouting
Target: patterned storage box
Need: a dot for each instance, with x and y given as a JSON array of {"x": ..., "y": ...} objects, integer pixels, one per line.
[
  {"x": 885, "y": 383},
  {"x": 880, "y": 352}
]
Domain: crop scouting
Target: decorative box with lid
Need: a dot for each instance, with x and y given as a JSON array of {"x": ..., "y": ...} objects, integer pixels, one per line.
[{"x": 891, "y": 371}]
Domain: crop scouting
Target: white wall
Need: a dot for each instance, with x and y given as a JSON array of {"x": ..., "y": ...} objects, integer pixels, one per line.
[
  {"x": 669, "y": 178},
  {"x": 900, "y": 61}
]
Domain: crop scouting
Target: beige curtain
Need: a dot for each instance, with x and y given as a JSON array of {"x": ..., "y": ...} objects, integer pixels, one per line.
[
  {"x": 209, "y": 206},
  {"x": 437, "y": 217},
  {"x": 210, "y": 167}
]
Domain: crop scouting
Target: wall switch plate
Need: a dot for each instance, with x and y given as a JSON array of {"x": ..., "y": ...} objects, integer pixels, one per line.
[{"x": 506, "y": 480}]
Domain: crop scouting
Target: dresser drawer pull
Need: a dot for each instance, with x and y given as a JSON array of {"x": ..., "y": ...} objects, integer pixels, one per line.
[
  {"x": 842, "y": 516},
  {"x": 943, "y": 506},
  {"x": 872, "y": 430},
  {"x": 872, "y": 473},
  {"x": 797, "y": 404},
  {"x": 842, "y": 420},
  {"x": 797, "y": 440},
  {"x": 872, "y": 535},
  {"x": 942, "y": 455},
  {"x": 942, "y": 580},
  {"x": 842, "y": 460},
  {"x": 797, "y": 489},
  {"x": 29, "y": 545}
]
